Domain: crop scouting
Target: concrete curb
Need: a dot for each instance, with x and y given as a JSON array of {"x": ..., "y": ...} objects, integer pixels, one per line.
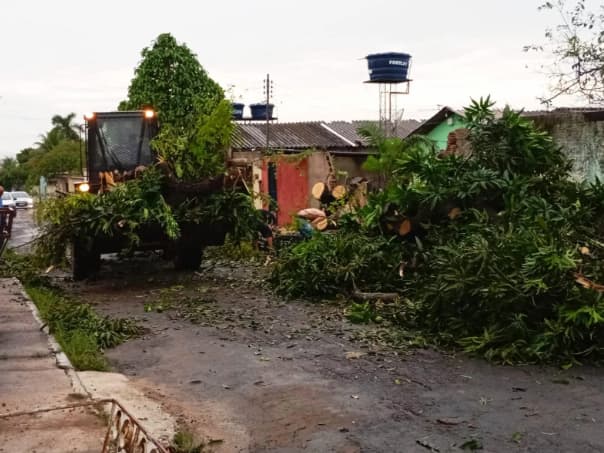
[
  {"x": 102, "y": 385},
  {"x": 61, "y": 359}
]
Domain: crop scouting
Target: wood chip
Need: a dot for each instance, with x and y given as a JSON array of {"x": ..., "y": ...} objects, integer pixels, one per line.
[{"x": 354, "y": 355}]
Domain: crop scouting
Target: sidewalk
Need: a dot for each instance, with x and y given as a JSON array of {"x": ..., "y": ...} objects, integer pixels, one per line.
[{"x": 31, "y": 380}]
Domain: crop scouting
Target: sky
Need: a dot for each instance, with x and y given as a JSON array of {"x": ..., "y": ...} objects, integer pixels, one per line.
[{"x": 67, "y": 56}]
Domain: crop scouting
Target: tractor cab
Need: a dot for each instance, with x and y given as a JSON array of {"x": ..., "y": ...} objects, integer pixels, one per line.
[{"x": 116, "y": 144}]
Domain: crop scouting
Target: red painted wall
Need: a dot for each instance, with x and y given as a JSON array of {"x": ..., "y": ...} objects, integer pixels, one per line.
[{"x": 292, "y": 188}]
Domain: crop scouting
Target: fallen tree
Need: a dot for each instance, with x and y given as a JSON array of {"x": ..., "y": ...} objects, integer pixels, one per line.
[{"x": 492, "y": 246}]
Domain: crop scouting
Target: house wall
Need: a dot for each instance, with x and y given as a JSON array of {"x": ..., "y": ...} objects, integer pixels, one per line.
[
  {"x": 352, "y": 165},
  {"x": 581, "y": 140},
  {"x": 440, "y": 133},
  {"x": 63, "y": 184},
  {"x": 318, "y": 171}
]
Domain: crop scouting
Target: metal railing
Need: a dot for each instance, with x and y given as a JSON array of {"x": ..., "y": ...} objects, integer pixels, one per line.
[{"x": 124, "y": 433}]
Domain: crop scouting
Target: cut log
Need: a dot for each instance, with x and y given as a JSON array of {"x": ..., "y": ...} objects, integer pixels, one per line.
[
  {"x": 320, "y": 223},
  {"x": 588, "y": 284},
  {"x": 311, "y": 213},
  {"x": 405, "y": 227},
  {"x": 384, "y": 297},
  {"x": 339, "y": 192},
  {"x": 454, "y": 213},
  {"x": 318, "y": 190},
  {"x": 321, "y": 192}
]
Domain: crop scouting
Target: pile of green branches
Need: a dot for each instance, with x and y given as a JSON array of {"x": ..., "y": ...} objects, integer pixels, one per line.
[
  {"x": 230, "y": 209},
  {"x": 121, "y": 212},
  {"x": 133, "y": 206},
  {"x": 332, "y": 264},
  {"x": 514, "y": 275}
]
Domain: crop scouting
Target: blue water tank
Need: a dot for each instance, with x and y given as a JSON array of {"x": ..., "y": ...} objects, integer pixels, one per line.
[
  {"x": 389, "y": 67},
  {"x": 259, "y": 111},
  {"x": 237, "y": 110}
]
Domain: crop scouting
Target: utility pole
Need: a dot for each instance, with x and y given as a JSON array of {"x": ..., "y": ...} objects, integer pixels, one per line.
[{"x": 268, "y": 91}]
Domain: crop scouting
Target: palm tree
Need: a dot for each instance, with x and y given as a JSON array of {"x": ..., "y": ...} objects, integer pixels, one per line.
[
  {"x": 66, "y": 125},
  {"x": 50, "y": 139}
]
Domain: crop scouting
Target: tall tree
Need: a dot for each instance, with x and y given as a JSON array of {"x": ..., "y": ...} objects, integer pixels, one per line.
[
  {"x": 170, "y": 79},
  {"x": 50, "y": 139},
  {"x": 62, "y": 158},
  {"x": 577, "y": 44},
  {"x": 25, "y": 154},
  {"x": 67, "y": 126},
  {"x": 12, "y": 175}
]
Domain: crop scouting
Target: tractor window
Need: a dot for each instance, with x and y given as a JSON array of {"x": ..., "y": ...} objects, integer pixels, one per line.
[{"x": 119, "y": 142}]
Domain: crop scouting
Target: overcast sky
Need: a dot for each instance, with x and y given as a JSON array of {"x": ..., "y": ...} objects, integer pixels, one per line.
[{"x": 78, "y": 56}]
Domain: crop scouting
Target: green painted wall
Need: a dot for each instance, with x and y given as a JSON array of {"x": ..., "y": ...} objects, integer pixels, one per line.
[{"x": 440, "y": 133}]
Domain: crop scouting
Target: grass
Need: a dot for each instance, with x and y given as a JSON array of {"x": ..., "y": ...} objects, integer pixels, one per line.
[
  {"x": 186, "y": 442},
  {"x": 82, "y": 334},
  {"x": 80, "y": 346}
]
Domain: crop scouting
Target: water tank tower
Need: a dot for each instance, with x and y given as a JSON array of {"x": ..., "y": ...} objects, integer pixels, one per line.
[
  {"x": 389, "y": 67},
  {"x": 390, "y": 71}
]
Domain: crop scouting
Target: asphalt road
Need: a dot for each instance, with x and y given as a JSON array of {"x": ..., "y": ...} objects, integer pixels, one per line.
[{"x": 24, "y": 230}]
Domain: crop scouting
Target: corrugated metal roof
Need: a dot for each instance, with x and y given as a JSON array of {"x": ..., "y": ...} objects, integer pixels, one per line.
[
  {"x": 305, "y": 135},
  {"x": 349, "y": 129},
  {"x": 335, "y": 135}
]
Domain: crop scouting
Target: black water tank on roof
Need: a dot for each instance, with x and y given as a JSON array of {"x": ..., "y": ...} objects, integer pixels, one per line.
[
  {"x": 237, "y": 110},
  {"x": 389, "y": 67},
  {"x": 259, "y": 111}
]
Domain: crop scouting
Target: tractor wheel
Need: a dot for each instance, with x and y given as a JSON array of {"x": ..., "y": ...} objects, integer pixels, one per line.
[
  {"x": 84, "y": 261},
  {"x": 188, "y": 256}
]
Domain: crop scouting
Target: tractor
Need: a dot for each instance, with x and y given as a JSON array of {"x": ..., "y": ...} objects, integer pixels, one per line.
[{"x": 118, "y": 145}]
